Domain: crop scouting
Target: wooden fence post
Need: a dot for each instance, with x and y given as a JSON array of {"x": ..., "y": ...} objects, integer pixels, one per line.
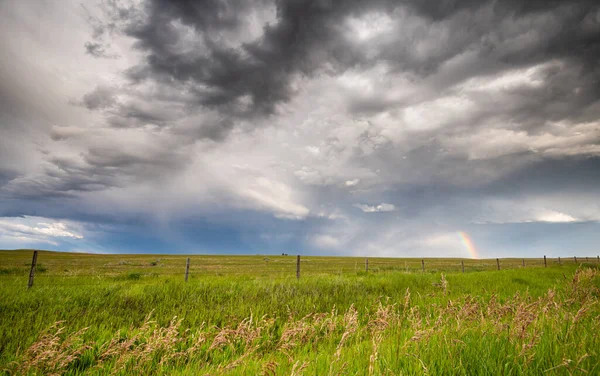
[
  {"x": 575, "y": 259},
  {"x": 366, "y": 265},
  {"x": 545, "y": 263},
  {"x": 586, "y": 259},
  {"x": 32, "y": 271},
  {"x": 598, "y": 259},
  {"x": 298, "y": 267},
  {"x": 462, "y": 264},
  {"x": 558, "y": 260},
  {"x": 523, "y": 263},
  {"x": 187, "y": 269},
  {"x": 423, "y": 265},
  {"x": 498, "y": 263}
]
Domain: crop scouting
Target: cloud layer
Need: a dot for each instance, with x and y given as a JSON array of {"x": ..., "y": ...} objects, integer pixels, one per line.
[{"x": 353, "y": 127}]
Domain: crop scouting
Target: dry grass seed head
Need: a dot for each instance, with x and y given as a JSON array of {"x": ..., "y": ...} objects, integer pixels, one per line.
[
  {"x": 269, "y": 368},
  {"x": 298, "y": 368},
  {"x": 384, "y": 317},
  {"x": 581, "y": 313},
  {"x": 470, "y": 310},
  {"x": 199, "y": 339},
  {"x": 247, "y": 332},
  {"x": 582, "y": 286},
  {"x": 442, "y": 284},
  {"x": 239, "y": 360},
  {"x": 525, "y": 315},
  {"x": 414, "y": 317},
  {"x": 407, "y": 299},
  {"x": 351, "y": 325},
  {"x": 146, "y": 344},
  {"x": 375, "y": 353},
  {"x": 51, "y": 354},
  {"x": 295, "y": 333}
]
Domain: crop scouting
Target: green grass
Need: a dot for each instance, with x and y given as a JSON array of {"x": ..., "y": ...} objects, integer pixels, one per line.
[{"x": 249, "y": 315}]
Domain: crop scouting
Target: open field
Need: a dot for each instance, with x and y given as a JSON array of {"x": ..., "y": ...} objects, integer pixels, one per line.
[
  {"x": 103, "y": 314},
  {"x": 58, "y": 267}
]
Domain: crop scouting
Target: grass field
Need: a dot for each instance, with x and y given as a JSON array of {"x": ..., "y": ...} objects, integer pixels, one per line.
[{"x": 249, "y": 315}]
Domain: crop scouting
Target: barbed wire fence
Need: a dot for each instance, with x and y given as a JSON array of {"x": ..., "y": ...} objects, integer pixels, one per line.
[{"x": 85, "y": 272}]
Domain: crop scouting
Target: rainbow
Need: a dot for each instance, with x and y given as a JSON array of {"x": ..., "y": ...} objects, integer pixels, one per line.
[{"x": 464, "y": 238}]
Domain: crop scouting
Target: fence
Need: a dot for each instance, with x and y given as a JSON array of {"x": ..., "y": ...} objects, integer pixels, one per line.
[{"x": 51, "y": 268}]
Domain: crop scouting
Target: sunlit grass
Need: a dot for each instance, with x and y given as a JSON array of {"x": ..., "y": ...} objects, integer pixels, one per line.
[{"x": 517, "y": 321}]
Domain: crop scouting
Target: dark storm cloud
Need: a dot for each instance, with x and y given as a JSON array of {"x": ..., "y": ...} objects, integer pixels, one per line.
[
  {"x": 62, "y": 178},
  {"x": 99, "y": 50},
  {"x": 100, "y": 98},
  {"x": 108, "y": 157},
  {"x": 569, "y": 177},
  {"x": 501, "y": 37},
  {"x": 567, "y": 92},
  {"x": 299, "y": 41},
  {"x": 6, "y": 175},
  {"x": 213, "y": 128},
  {"x": 98, "y": 168},
  {"x": 308, "y": 38},
  {"x": 555, "y": 29},
  {"x": 252, "y": 79},
  {"x": 132, "y": 114},
  {"x": 570, "y": 34},
  {"x": 198, "y": 48},
  {"x": 552, "y": 175}
]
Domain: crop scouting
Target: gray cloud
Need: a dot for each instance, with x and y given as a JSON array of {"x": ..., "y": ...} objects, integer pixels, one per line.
[
  {"x": 99, "y": 50},
  {"x": 213, "y": 51},
  {"x": 99, "y": 98},
  {"x": 450, "y": 113},
  {"x": 7, "y": 175}
]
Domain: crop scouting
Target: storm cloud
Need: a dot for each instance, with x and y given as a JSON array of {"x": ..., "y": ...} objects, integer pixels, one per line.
[{"x": 380, "y": 127}]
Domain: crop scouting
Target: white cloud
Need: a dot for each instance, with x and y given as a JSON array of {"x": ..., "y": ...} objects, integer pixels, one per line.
[
  {"x": 555, "y": 217},
  {"x": 274, "y": 196},
  {"x": 512, "y": 79},
  {"x": 369, "y": 26},
  {"x": 438, "y": 113},
  {"x": 383, "y": 207},
  {"x": 310, "y": 176},
  {"x": 333, "y": 215},
  {"x": 57, "y": 229},
  {"x": 36, "y": 230},
  {"x": 547, "y": 209},
  {"x": 560, "y": 139},
  {"x": 352, "y": 183}
]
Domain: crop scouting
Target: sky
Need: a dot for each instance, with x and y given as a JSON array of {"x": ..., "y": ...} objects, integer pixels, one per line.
[{"x": 410, "y": 128}]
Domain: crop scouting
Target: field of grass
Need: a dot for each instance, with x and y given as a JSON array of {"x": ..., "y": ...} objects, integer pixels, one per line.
[{"x": 249, "y": 315}]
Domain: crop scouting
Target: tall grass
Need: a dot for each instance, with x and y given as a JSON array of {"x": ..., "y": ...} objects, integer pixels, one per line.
[{"x": 529, "y": 321}]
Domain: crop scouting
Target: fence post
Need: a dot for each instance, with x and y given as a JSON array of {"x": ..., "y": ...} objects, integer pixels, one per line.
[
  {"x": 366, "y": 265},
  {"x": 558, "y": 260},
  {"x": 32, "y": 271},
  {"x": 462, "y": 264},
  {"x": 498, "y": 263},
  {"x": 575, "y": 259},
  {"x": 545, "y": 263},
  {"x": 586, "y": 259},
  {"x": 523, "y": 263},
  {"x": 187, "y": 268},
  {"x": 298, "y": 267},
  {"x": 423, "y": 265},
  {"x": 598, "y": 259}
]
